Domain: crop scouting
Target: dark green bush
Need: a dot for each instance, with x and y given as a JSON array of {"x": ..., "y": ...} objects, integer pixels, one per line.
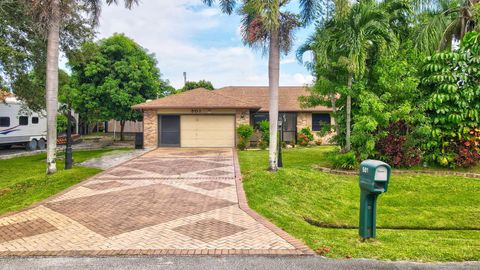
[
  {"x": 244, "y": 131},
  {"x": 346, "y": 161},
  {"x": 264, "y": 127}
]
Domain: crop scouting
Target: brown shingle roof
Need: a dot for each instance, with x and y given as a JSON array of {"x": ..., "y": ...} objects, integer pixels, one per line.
[
  {"x": 197, "y": 98},
  {"x": 287, "y": 99},
  {"x": 234, "y": 97}
]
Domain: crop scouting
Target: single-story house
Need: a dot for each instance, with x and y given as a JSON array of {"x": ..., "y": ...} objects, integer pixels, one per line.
[{"x": 208, "y": 118}]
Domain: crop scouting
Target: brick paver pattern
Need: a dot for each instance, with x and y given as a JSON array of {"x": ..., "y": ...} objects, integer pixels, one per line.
[{"x": 168, "y": 199}]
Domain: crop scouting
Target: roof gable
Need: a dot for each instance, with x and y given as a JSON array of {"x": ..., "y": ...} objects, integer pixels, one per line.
[
  {"x": 235, "y": 97},
  {"x": 197, "y": 98}
]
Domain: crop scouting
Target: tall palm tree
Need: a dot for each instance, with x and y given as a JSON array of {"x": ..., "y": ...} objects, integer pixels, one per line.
[
  {"x": 443, "y": 21},
  {"x": 48, "y": 15},
  {"x": 346, "y": 42},
  {"x": 267, "y": 25}
]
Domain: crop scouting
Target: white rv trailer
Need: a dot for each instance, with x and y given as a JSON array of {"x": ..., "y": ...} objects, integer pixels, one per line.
[{"x": 21, "y": 126}]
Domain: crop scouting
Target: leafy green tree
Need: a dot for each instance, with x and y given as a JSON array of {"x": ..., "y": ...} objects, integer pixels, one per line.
[
  {"x": 350, "y": 39},
  {"x": 269, "y": 26},
  {"x": 112, "y": 76},
  {"x": 23, "y": 51},
  {"x": 452, "y": 82},
  {"x": 49, "y": 17},
  {"x": 200, "y": 84}
]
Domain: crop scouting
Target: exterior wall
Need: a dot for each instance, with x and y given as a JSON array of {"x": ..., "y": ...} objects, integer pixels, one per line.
[
  {"x": 242, "y": 116},
  {"x": 304, "y": 119},
  {"x": 150, "y": 129},
  {"x": 150, "y": 121}
]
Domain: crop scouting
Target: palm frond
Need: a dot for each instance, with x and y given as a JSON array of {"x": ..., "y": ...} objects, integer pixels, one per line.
[
  {"x": 309, "y": 9},
  {"x": 226, "y": 6},
  {"x": 431, "y": 33}
]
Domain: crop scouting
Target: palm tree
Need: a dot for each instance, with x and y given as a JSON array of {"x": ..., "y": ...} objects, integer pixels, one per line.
[
  {"x": 443, "y": 21},
  {"x": 346, "y": 42},
  {"x": 48, "y": 15},
  {"x": 267, "y": 25}
]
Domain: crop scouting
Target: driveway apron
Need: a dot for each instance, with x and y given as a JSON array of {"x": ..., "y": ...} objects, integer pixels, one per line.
[{"x": 167, "y": 201}]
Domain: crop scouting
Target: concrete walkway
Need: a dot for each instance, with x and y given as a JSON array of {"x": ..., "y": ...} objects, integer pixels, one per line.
[{"x": 167, "y": 201}]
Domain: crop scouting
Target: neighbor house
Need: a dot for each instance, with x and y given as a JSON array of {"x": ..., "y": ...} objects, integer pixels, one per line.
[{"x": 208, "y": 118}]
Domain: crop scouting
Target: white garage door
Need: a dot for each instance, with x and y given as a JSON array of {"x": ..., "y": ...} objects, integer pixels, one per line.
[{"x": 207, "y": 130}]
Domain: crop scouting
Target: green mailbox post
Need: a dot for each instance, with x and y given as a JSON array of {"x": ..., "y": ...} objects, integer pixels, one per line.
[{"x": 374, "y": 178}]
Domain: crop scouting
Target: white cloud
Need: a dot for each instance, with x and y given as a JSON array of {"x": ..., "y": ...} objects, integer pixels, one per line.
[
  {"x": 287, "y": 61},
  {"x": 186, "y": 36}
]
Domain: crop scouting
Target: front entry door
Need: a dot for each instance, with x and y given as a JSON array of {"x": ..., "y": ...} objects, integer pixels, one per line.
[{"x": 169, "y": 132}]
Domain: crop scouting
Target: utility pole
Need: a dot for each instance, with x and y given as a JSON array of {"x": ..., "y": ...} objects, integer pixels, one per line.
[{"x": 184, "y": 78}]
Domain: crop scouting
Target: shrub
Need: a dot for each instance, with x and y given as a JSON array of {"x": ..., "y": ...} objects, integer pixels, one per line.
[
  {"x": 303, "y": 140},
  {"x": 468, "y": 150},
  {"x": 244, "y": 131},
  {"x": 263, "y": 144},
  {"x": 451, "y": 84},
  {"x": 346, "y": 161},
  {"x": 318, "y": 142},
  {"x": 395, "y": 149},
  {"x": 264, "y": 127},
  {"x": 242, "y": 144},
  {"x": 305, "y": 136}
]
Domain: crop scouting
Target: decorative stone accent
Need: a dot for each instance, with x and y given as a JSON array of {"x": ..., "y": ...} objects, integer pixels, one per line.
[
  {"x": 150, "y": 129},
  {"x": 304, "y": 120},
  {"x": 242, "y": 117}
]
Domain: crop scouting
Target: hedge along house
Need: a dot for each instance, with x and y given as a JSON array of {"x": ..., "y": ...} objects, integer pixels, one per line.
[{"x": 208, "y": 118}]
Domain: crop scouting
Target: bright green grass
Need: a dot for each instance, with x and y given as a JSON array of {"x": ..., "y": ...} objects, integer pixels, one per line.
[
  {"x": 419, "y": 201},
  {"x": 23, "y": 180}
]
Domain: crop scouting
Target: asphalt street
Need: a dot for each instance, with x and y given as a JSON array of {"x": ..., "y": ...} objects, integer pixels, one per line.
[{"x": 220, "y": 262}]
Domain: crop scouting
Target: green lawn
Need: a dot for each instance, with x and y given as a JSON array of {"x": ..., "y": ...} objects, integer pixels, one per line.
[
  {"x": 298, "y": 191},
  {"x": 23, "y": 180}
]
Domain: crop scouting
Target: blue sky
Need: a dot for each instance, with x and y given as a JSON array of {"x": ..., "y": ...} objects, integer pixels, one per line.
[{"x": 187, "y": 36}]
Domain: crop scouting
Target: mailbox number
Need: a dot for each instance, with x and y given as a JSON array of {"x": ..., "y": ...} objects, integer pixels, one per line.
[{"x": 364, "y": 170}]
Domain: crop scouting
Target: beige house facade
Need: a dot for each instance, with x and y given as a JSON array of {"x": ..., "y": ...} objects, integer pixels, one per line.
[{"x": 209, "y": 118}]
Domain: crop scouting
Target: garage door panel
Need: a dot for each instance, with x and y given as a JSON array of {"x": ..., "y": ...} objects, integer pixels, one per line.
[{"x": 207, "y": 131}]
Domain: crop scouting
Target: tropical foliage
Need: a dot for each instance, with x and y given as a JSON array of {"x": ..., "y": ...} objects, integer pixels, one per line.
[
  {"x": 406, "y": 102},
  {"x": 111, "y": 76},
  {"x": 200, "y": 84},
  {"x": 452, "y": 81}
]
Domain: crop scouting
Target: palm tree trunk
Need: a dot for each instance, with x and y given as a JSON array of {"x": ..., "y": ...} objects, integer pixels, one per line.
[
  {"x": 349, "y": 113},
  {"x": 52, "y": 86},
  {"x": 273, "y": 81}
]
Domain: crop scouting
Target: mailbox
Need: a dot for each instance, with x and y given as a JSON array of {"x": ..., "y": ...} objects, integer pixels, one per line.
[
  {"x": 374, "y": 176},
  {"x": 374, "y": 179}
]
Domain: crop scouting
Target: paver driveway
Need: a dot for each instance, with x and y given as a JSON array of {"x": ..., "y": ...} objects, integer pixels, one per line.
[{"x": 168, "y": 201}]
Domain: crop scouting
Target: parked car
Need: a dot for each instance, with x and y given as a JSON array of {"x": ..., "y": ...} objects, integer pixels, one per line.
[{"x": 21, "y": 126}]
